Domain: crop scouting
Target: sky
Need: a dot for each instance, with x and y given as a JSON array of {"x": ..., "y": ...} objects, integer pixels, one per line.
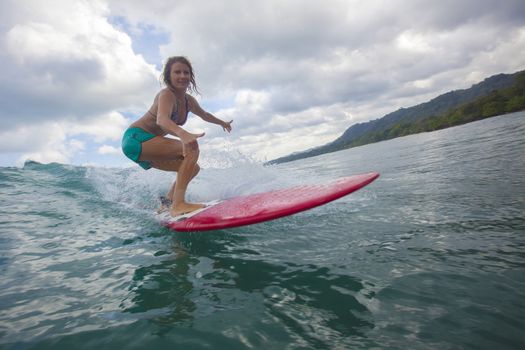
[{"x": 292, "y": 74}]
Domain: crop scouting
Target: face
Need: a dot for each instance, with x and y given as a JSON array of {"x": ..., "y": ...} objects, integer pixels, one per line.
[{"x": 180, "y": 75}]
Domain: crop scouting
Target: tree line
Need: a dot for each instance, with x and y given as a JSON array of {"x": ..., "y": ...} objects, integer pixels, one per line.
[{"x": 498, "y": 102}]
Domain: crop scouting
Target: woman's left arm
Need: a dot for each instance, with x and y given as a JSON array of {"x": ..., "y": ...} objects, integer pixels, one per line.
[{"x": 196, "y": 109}]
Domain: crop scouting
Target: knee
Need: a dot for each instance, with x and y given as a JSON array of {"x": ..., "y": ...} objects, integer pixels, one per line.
[
  {"x": 192, "y": 155},
  {"x": 196, "y": 170}
]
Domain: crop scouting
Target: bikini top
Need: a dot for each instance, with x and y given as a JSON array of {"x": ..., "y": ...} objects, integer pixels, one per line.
[{"x": 175, "y": 114}]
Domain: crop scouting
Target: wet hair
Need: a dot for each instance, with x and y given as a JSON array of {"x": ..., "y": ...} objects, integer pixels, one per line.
[{"x": 167, "y": 69}]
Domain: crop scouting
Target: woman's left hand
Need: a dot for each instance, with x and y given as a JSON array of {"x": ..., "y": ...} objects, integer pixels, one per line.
[{"x": 227, "y": 126}]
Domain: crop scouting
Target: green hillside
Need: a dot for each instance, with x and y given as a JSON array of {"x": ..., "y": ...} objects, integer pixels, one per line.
[{"x": 499, "y": 94}]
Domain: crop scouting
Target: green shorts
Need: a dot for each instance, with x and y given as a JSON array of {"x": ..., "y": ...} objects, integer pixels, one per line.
[{"x": 132, "y": 145}]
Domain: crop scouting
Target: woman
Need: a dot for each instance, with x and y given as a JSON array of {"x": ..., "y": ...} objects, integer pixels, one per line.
[{"x": 144, "y": 140}]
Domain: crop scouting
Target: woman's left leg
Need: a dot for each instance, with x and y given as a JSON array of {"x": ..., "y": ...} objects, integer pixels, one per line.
[
  {"x": 172, "y": 189},
  {"x": 184, "y": 175},
  {"x": 167, "y": 154}
]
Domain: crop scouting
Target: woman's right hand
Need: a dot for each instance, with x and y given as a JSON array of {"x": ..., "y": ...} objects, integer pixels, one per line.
[{"x": 189, "y": 142}]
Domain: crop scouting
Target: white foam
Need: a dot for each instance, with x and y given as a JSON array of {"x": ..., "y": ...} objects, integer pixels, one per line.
[{"x": 223, "y": 175}]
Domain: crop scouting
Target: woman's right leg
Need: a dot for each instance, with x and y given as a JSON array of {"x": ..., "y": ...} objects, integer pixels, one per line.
[{"x": 166, "y": 154}]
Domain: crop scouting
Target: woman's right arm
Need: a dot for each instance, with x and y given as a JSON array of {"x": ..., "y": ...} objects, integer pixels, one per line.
[{"x": 164, "y": 109}]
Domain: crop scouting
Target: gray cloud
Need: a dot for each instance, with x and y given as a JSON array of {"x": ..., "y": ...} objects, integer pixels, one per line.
[
  {"x": 343, "y": 51},
  {"x": 59, "y": 65},
  {"x": 287, "y": 65}
]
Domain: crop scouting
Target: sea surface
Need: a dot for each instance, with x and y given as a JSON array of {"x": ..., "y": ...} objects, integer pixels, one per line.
[{"x": 429, "y": 256}]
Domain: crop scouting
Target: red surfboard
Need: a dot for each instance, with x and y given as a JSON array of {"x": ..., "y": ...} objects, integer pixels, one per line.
[{"x": 259, "y": 207}]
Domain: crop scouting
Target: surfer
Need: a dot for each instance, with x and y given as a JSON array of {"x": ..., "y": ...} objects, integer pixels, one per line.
[{"x": 145, "y": 143}]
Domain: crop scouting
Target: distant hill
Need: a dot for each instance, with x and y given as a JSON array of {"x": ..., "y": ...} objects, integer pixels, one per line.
[{"x": 499, "y": 94}]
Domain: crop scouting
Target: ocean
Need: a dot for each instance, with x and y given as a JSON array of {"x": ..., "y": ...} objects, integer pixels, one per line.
[{"x": 429, "y": 256}]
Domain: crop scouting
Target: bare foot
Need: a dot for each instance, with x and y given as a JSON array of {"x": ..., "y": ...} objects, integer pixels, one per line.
[
  {"x": 165, "y": 204},
  {"x": 162, "y": 209},
  {"x": 184, "y": 208}
]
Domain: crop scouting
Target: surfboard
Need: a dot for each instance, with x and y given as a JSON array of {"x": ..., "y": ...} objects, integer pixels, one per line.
[{"x": 260, "y": 207}]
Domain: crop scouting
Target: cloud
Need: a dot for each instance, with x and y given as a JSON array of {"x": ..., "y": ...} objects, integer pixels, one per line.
[
  {"x": 42, "y": 143},
  {"x": 106, "y": 149},
  {"x": 295, "y": 68},
  {"x": 303, "y": 55},
  {"x": 67, "y": 70},
  {"x": 292, "y": 74},
  {"x": 69, "y": 63},
  {"x": 101, "y": 128},
  {"x": 51, "y": 141}
]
